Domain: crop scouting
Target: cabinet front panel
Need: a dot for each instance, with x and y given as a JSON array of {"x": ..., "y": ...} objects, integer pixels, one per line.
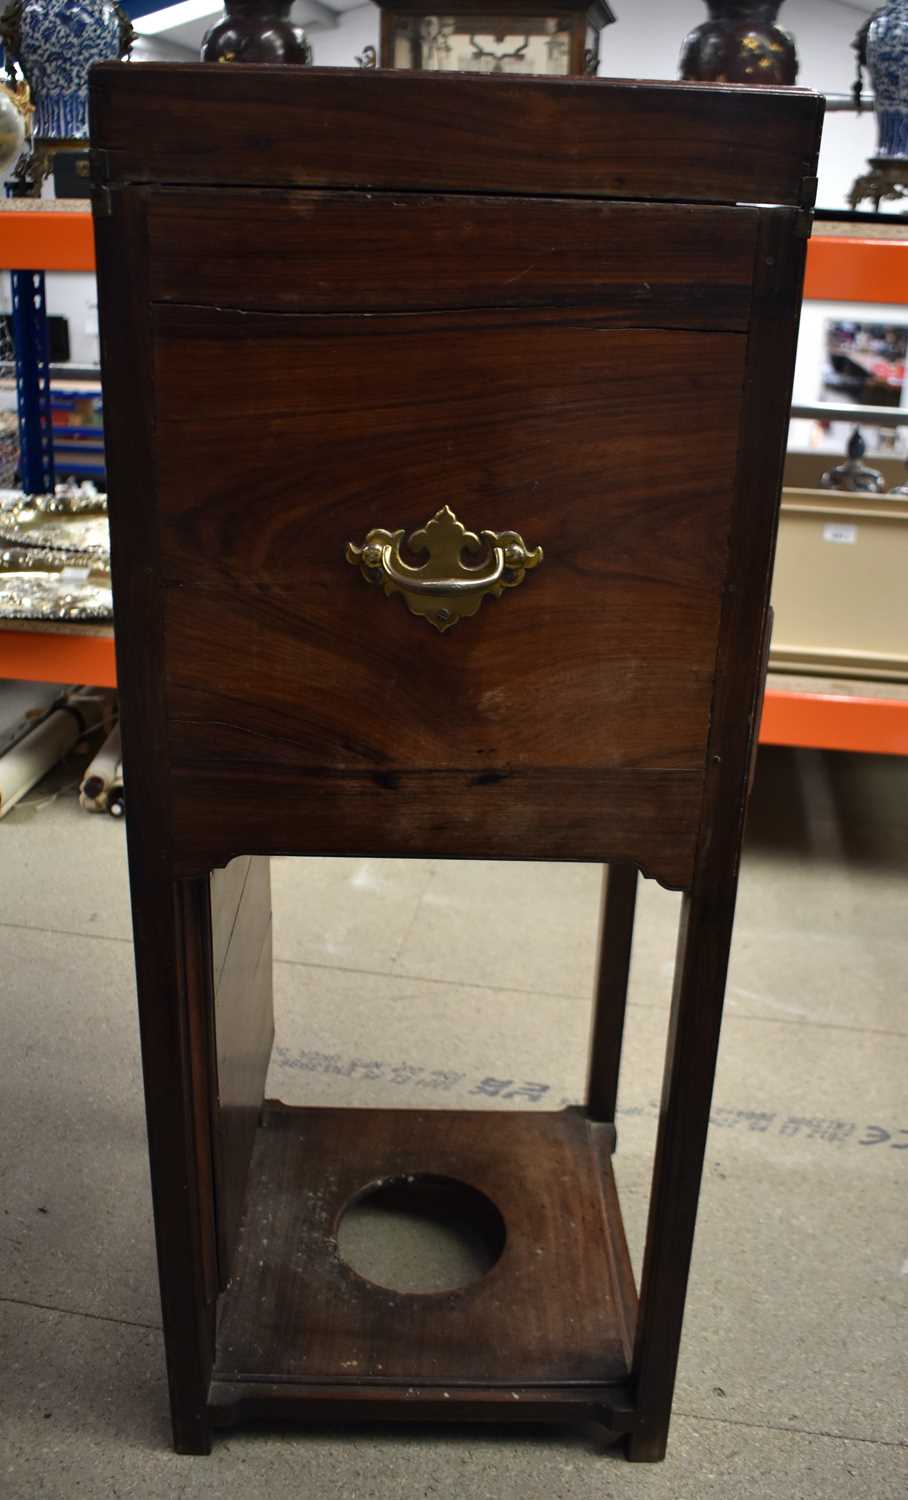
[
  {"x": 614, "y": 451},
  {"x": 572, "y": 372}
]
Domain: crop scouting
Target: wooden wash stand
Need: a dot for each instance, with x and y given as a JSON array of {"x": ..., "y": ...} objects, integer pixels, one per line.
[{"x": 445, "y": 423}]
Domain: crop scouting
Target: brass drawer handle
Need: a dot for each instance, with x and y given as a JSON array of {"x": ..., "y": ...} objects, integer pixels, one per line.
[{"x": 444, "y": 589}]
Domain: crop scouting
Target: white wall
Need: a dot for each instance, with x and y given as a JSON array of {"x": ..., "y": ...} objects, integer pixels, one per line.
[
  {"x": 72, "y": 295},
  {"x": 645, "y": 42},
  {"x": 340, "y": 47},
  {"x": 824, "y": 30}
]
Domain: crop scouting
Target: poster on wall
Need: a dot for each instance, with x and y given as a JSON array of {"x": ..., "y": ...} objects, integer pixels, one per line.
[
  {"x": 851, "y": 356},
  {"x": 865, "y": 365}
]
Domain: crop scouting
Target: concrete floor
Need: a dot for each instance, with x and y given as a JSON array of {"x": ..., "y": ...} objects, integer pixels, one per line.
[{"x": 416, "y": 983}]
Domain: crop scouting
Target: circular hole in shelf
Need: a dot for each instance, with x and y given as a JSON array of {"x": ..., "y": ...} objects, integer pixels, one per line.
[{"x": 421, "y": 1233}]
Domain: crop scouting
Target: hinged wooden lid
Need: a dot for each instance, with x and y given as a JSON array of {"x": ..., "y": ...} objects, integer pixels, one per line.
[{"x": 354, "y": 128}]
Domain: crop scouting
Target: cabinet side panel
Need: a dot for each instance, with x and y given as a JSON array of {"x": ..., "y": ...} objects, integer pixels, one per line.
[
  {"x": 169, "y": 922},
  {"x": 708, "y": 911}
]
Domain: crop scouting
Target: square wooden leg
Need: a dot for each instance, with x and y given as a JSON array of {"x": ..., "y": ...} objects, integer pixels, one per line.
[
  {"x": 700, "y": 970},
  {"x": 619, "y": 900},
  {"x": 172, "y": 963},
  {"x": 203, "y": 952}
]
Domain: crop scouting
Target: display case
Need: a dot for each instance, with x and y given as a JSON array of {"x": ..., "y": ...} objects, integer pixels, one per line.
[{"x": 513, "y": 37}]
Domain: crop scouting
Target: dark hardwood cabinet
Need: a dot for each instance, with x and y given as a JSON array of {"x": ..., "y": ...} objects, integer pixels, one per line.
[{"x": 445, "y": 423}]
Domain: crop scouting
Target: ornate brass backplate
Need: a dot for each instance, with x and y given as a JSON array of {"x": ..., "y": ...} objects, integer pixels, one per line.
[{"x": 444, "y": 589}]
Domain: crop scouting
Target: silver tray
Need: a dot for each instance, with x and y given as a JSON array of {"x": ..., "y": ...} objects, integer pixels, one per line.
[{"x": 37, "y": 585}]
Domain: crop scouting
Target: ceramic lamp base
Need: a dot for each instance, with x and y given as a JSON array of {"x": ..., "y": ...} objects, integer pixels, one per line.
[{"x": 893, "y": 134}]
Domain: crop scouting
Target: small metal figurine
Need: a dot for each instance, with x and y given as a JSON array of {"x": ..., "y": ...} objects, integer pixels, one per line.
[{"x": 854, "y": 476}]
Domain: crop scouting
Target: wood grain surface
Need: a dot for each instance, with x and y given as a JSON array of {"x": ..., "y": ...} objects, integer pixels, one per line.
[
  {"x": 637, "y": 264},
  {"x": 603, "y": 658},
  {"x": 609, "y": 1408},
  {"x": 647, "y": 818}
]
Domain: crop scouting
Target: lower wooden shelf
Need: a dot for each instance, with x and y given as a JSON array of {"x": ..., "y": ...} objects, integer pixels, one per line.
[{"x": 546, "y": 1333}]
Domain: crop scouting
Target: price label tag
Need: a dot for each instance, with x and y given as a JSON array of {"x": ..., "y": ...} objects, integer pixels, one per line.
[
  {"x": 838, "y": 531},
  {"x": 75, "y": 575}
]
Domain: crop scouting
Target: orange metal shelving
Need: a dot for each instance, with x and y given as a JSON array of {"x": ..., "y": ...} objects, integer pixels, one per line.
[
  {"x": 36, "y": 239},
  {"x": 841, "y": 269},
  {"x": 61, "y": 655},
  {"x": 833, "y": 721},
  {"x": 41, "y": 240},
  {"x": 838, "y": 269}
]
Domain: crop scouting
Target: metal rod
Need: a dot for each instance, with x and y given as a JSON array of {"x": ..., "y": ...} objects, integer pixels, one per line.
[
  {"x": 862, "y": 416},
  {"x": 75, "y": 372},
  {"x": 842, "y": 103}
]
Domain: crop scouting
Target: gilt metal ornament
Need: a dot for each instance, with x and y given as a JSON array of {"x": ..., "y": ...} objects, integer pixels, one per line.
[{"x": 445, "y": 588}]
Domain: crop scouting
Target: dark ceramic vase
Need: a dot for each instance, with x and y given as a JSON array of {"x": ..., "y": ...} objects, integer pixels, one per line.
[
  {"x": 256, "y": 31},
  {"x": 740, "y": 43}
]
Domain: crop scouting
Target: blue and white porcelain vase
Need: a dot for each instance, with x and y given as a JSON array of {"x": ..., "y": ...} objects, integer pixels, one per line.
[
  {"x": 55, "y": 42},
  {"x": 886, "y": 53}
]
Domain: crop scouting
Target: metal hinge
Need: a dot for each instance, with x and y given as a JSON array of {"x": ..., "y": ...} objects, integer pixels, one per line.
[
  {"x": 807, "y": 198},
  {"x": 100, "y": 183},
  {"x": 804, "y": 225},
  {"x": 101, "y": 203}
]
